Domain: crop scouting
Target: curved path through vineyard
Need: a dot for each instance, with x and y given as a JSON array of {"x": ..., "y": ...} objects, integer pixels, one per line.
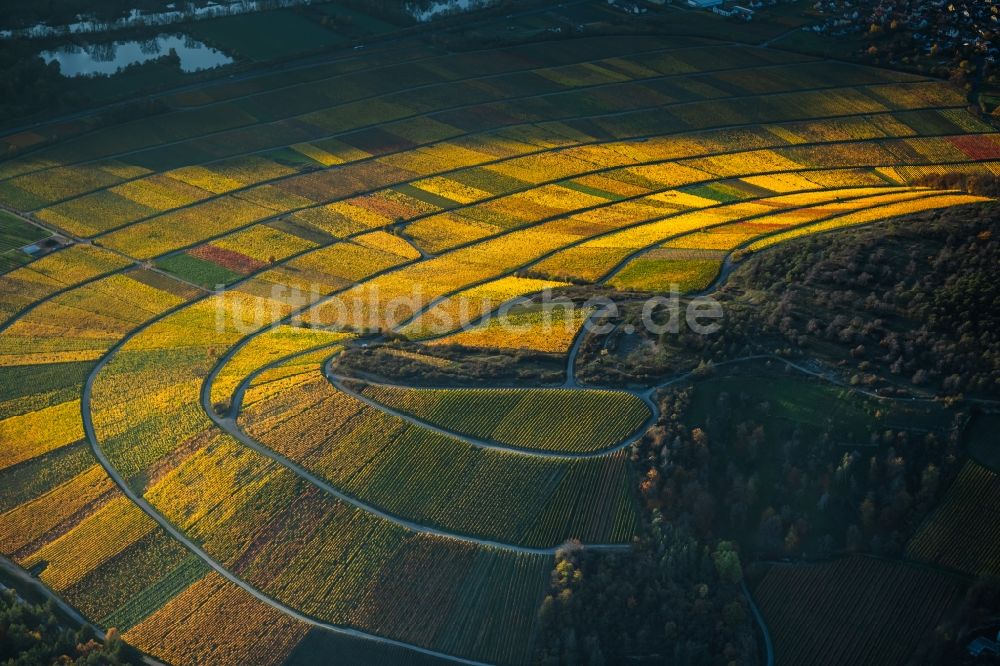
[{"x": 567, "y": 175}]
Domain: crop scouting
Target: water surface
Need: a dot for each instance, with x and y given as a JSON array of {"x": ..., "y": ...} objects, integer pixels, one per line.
[{"x": 110, "y": 57}]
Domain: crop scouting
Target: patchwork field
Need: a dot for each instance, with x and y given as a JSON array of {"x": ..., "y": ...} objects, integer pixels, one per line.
[{"x": 170, "y": 433}]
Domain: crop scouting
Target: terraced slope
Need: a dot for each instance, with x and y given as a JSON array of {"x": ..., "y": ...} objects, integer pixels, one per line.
[
  {"x": 171, "y": 450},
  {"x": 554, "y": 420}
]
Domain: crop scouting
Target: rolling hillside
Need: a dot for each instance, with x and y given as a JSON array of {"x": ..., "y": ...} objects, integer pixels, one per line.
[{"x": 174, "y": 451}]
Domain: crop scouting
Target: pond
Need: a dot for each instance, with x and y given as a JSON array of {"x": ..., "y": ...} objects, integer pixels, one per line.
[{"x": 110, "y": 57}]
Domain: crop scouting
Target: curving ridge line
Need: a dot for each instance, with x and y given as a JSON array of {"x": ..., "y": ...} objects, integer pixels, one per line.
[
  {"x": 431, "y": 304},
  {"x": 570, "y": 381},
  {"x": 338, "y": 382}
]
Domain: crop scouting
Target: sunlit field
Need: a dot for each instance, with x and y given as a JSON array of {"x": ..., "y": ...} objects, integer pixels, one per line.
[{"x": 181, "y": 459}]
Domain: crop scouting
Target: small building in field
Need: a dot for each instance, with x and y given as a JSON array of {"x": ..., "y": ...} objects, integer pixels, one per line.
[{"x": 744, "y": 13}]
